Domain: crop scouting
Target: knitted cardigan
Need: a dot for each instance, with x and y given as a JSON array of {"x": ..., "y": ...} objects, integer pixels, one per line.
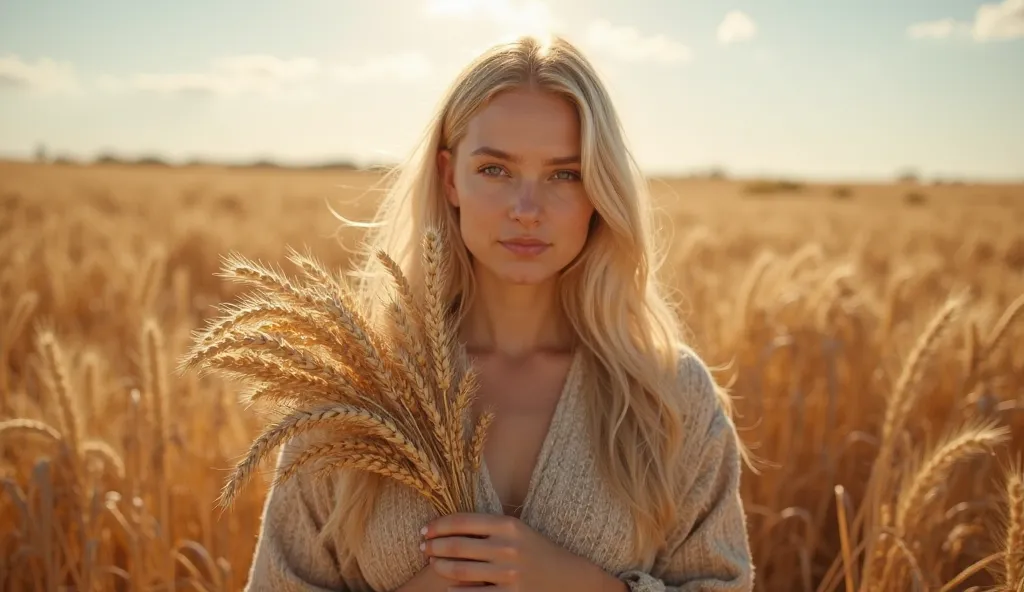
[{"x": 707, "y": 549}]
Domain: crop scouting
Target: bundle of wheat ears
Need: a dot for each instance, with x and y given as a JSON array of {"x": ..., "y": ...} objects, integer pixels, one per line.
[{"x": 393, "y": 398}]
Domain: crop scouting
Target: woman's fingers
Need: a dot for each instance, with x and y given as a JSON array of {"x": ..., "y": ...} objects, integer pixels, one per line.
[
  {"x": 471, "y": 571},
  {"x": 460, "y": 547},
  {"x": 482, "y": 525},
  {"x": 469, "y": 561}
]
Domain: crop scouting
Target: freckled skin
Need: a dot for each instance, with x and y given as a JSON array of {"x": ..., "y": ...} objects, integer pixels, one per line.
[{"x": 504, "y": 198}]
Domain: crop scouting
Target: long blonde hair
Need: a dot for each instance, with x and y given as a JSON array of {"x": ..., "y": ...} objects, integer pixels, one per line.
[{"x": 631, "y": 340}]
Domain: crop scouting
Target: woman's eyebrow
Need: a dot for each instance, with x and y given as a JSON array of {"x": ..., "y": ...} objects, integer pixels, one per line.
[{"x": 494, "y": 152}]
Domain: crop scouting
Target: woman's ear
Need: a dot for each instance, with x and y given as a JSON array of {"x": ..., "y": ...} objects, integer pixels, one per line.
[{"x": 446, "y": 171}]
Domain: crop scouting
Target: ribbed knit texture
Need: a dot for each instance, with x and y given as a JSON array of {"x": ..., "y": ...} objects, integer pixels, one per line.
[{"x": 567, "y": 501}]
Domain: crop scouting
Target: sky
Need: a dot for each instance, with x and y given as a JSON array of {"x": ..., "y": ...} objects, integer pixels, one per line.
[{"x": 845, "y": 89}]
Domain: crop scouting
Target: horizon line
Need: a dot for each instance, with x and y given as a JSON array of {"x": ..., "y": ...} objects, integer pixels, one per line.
[{"x": 110, "y": 156}]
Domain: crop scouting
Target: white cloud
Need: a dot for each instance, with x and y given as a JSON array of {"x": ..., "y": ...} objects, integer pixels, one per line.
[
  {"x": 992, "y": 22},
  {"x": 737, "y": 26},
  {"x": 45, "y": 76},
  {"x": 232, "y": 75},
  {"x": 185, "y": 83},
  {"x": 526, "y": 17},
  {"x": 402, "y": 66},
  {"x": 267, "y": 68},
  {"x": 271, "y": 76},
  {"x": 939, "y": 29},
  {"x": 999, "y": 21},
  {"x": 523, "y": 17},
  {"x": 630, "y": 45}
]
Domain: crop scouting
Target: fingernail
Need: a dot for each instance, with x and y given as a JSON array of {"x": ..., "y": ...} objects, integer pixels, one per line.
[
  {"x": 423, "y": 546},
  {"x": 423, "y": 531}
]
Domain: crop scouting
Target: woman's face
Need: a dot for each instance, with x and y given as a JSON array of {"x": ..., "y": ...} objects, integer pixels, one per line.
[{"x": 515, "y": 179}]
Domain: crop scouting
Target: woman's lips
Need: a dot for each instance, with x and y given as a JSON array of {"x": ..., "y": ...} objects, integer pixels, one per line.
[{"x": 525, "y": 247}]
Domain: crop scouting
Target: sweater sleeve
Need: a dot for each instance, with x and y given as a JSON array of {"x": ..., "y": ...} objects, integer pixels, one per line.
[
  {"x": 289, "y": 556},
  {"x": 708, "y": 550}
]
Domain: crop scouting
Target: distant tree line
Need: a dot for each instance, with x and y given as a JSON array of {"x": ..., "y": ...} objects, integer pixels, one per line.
[{"x": 43, "y": 156}]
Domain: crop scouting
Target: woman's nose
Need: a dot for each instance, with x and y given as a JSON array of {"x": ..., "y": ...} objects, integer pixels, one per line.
[{"x": 524, "y": 207}]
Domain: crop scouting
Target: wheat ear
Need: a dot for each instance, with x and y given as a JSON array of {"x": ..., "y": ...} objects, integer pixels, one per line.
[
  {"x": 1013, "y": 550},
  {"x": 102, "y": 452},
  {"x": 971, "y": 440},
  {"x": 409, "y": 327},
  {"x": 258, "y": 311},
  {"x": 58, "y": 373},
  {"x": 375, "y": 457},
  {"x": 296, "y": 357},
  {"x": 353, "y": 419},
  {"x": 1003, "y": 324},
  {"x": 435, "y": 318},
  {"x": 13, "y": 427},
  {"x": 464, "y": 397},
  {"x": 479, "y": 438},
  {"x": 437, "y": 334},
  {"x": 317, "y": 274},
  {"x": 324, "y": 302},
  {"x": 905, "y": 395},
  {"x": 407, "y": 314}
]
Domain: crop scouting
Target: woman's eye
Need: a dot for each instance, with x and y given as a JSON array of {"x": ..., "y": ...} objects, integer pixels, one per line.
[
  {"x": 491, "y": 170},
  {"x": 567, "y": 176}
]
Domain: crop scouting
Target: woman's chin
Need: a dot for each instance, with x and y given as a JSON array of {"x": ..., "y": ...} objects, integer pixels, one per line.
[
  {"x": 523, "y": 277},
  {"x": 501, "y": 270}
]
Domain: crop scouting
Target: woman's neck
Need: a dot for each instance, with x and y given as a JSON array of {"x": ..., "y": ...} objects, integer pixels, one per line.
[{"x": 515, "y": 320}]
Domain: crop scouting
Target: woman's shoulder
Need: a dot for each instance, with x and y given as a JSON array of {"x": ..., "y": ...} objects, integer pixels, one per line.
[
  {"x": 694, "y": 380},
  {"x": 704, "y": 403}
]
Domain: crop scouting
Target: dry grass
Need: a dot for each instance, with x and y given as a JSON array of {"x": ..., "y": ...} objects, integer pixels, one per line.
[{"x": 873, "y": 345}]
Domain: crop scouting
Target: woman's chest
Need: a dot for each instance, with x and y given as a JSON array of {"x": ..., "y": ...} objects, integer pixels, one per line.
[
  {"x": 524, "y": 397},
  {"x": 569, "y": 502},
  {"x": 513, "y": 451}
]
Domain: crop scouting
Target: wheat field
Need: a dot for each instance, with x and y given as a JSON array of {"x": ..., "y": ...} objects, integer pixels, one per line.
[{"x": 871, "y": 335}]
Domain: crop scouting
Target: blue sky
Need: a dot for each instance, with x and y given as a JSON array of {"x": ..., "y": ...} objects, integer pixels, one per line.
[{"x": 843, "y": 89}]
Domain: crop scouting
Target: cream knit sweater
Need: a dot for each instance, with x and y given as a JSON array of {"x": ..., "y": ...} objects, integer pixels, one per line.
[{"x": 566, "y": 501}]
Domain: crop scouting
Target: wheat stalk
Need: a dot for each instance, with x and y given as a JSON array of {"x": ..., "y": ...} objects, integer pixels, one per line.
[
  {"x": 1002, "y": 326},
  {"x": 1013, "y": 545},
  {"x": 902, "y": 402},
  {"x": 905, "y": 393},
  {"x": 53, "y": 356},
  {"x": 390, "y": 401}
]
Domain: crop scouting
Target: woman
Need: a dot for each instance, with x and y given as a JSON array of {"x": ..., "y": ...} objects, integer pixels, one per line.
[{"x": 612, "y": 463}]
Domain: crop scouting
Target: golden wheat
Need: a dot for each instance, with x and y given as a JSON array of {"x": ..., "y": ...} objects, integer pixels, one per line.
[
  {"x": 814, "y": 351},
  {"x": 1010, "y": 570},
  {"x": 964, "y": 444},
  {"x": 369, "y": 375}
]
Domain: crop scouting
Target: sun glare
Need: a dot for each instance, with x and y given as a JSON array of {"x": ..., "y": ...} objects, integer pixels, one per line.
[{"x": 513, "y": 17}]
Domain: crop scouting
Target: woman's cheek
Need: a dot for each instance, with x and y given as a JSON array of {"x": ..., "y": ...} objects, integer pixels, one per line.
[
  {"x": 572, "y": 205},
  {"x": 486, "y": 196}
]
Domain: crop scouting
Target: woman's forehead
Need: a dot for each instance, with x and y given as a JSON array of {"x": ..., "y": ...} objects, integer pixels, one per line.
[{"x": 522, "y": 125}]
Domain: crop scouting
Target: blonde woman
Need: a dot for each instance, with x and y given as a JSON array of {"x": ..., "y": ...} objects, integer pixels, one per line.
[{"x": 613, "y": 463}]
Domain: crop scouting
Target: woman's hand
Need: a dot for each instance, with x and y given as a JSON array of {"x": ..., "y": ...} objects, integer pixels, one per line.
[
  {"x": 505, "y": 552},
  {"x": 428, "y": 580}
]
